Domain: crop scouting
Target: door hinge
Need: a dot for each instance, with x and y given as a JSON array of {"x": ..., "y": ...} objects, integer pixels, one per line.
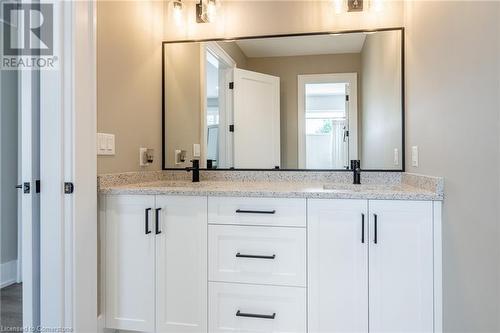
[
  {"x": 37, "y": 186},
  {"x": 231, "y": 128},
  {"x": 26, "y": 188},
  {"x": 69, "y": 188},
  {"x": 231, "y": 85},
  {"x": 346, "y": 133},
  {"x": 347, "y": 98}
]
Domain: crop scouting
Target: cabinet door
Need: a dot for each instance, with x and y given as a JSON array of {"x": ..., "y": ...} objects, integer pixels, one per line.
[
  {"x": 338, "y": 265},
  {"x": 129, "y": 267},
  {"x": 181, "y": 265},
  {"x": 401, "y": 266}
]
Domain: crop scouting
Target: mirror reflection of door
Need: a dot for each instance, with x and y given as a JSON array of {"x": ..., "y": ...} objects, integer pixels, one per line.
[
  {"x": 242, "y": 121},
  {"x": 256, "y": 120},
  {"x": 327, "y": 106},
  {"x": 217, "y": 151}
]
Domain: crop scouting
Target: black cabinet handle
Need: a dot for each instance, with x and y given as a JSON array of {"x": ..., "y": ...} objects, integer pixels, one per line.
[
  {"x": 146, "y": 223},
  {"x": 254, "y": 315},
  {"x": 239, "y": 255},
  {"x": 363, "y": 228},
  {"x": 157, "y": 221},
  {"x": 243, "y": 211},
  {"x": 375, "y": 238}
]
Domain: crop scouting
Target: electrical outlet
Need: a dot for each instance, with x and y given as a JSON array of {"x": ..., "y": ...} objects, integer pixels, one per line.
[
  {"x": 146, "y": 156},
  {"x": 414, "y": 156}
]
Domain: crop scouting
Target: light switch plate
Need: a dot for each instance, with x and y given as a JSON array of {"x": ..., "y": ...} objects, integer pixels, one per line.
[
  {"x": 396, "y": 156},
  {"x": 105, "y": 144},
  {"x": 414, "y": 156},
  {"x": 196, "y": 150}
]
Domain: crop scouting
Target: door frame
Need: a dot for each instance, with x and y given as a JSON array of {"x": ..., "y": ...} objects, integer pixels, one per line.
[
  {"x": 68, "y": 125},
  {"x": 227, "y": 108},
  {"x": 302, "y": 80}
]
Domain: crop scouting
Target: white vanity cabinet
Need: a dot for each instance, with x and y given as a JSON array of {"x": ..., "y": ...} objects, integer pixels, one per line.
[
  {"x": 371, "y": 266},
  {"x": 198, "y": 264},
  {"x": 155, "y": 263}
]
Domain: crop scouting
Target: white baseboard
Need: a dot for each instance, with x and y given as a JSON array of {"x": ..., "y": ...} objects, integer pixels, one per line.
[{"x": 8, "y": 273}]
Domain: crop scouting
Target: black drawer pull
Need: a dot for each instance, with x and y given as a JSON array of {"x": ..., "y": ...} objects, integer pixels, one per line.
[
  {"x": 146, "y": 221},
  {"x": 375, "y": 227},
  {"x": 239, "y": 255},
  {"x": 363, "y": 228},
  {"x": 157, "y": 224},
  {"x": 243, "y": 211},
  {"x": 253, "y": 315}
]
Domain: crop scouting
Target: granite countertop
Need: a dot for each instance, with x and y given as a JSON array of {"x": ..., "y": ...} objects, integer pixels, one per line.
[{"x": 277, "y": 189}]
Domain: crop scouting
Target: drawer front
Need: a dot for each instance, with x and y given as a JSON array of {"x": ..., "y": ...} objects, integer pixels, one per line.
[
  {"x": 257, "y": 211},
  {"x": 252, "y": 308},
  {"x": 260, "y": 255}
]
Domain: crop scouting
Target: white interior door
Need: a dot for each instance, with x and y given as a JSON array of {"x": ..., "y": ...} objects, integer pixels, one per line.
[
  {"x": 256, "y": 120},
  {"x": 401, "y": 266}
]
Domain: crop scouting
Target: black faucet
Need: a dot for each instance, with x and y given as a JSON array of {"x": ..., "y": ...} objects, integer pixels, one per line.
[
  {"x": 196, "y": 170},
  {"x": 356, "y": 171}
]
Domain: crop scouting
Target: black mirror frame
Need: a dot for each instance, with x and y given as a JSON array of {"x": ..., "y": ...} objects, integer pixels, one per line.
[{"x": 163, "y": 97}]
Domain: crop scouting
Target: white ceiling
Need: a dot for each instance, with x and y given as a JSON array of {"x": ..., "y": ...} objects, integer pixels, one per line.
[{"x": 302, "y": 45}]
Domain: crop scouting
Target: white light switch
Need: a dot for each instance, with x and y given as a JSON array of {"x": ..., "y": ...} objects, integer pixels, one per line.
[
  {"x": 396, "y": 156},
  {"x": 414, "y": 156},
  {"x": 105, "y": 144}
]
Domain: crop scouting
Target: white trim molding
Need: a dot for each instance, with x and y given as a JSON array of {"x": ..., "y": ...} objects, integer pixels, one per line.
[
  {"x": 68, "y": 132},
  {"x": 8, "y": 273}
]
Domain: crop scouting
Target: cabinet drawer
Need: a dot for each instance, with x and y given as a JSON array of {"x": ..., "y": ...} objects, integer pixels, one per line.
[
  {"x": 257, "y": 211},
  {"x": 252, "y": 308},
  {"x": 260, "y": 255}
]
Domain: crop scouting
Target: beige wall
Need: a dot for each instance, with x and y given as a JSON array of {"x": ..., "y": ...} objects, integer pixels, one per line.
[
  {"x": 452, "y": 113},
  {"x": 381, "y": 105},
  {"x": 287, "y": 68},
  {"x": 234, "y": 51},
  {"x": 129, "y": 35},
  {"x": 129, "y": 57},
  {"x": 251, "y": 18}
]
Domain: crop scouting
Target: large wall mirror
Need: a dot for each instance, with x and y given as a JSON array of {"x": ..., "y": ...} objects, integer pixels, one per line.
[{"x": 309, "y": 101}]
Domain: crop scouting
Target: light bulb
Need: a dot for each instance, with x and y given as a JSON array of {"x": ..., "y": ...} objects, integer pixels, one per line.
[
  {"x": 211, "y": 10},
  {"x": 377, "y": 5},
  {"x": 338, "y": 5},
  {"x": 177, "y": 12}
]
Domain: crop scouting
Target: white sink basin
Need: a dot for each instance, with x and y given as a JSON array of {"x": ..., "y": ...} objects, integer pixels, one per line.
[{"x": 360, "y": 187}]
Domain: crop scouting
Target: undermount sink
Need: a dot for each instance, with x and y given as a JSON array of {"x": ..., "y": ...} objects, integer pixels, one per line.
[
  {"x": 177, "y": 184},
  {"x": 359, "y": 187}
]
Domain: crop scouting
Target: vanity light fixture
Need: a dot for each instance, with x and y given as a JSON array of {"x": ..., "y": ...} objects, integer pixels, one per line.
[
  {"x": 206, "y": 11},
  {"x": 354, "y": 5},
  {"x": 177, "y": 11},
  {"x": 341, "y": 6}
]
